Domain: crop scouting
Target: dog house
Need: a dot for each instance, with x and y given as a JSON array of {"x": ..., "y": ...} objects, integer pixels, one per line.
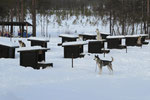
[
  {"x": 144, "y": 36},
  {"x": 7, "y": 50},
  {"x": 95, "y": 46},
  {"x": 35, "y": 41},
  {"x": 73, "y": 49},
  {"x": 131, "y": 40},
  {"x": 104, "y": 35},
  {"x": 68, "y": 37},
  {"x": 87, "y": 36},
  {"x": 33, "y": 57},
  {"x": 115, "y": 42}
]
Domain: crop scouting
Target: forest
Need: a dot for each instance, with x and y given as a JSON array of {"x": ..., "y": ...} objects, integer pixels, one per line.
[{"x": 122, "y": 15}]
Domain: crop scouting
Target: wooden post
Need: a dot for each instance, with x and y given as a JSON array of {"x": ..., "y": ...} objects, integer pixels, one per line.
[
  {"x": 72, "y": 60},
  {"x": 2, "y": 30},
  {"x": 22, "y": 30},
  {"x": 26, "y": 30},
  {"x": 104, "y": 49},
  {"x": 11, "y": 32}
]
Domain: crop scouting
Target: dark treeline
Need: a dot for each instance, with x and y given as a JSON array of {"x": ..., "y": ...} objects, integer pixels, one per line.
[{"x": 122, "y": 15}]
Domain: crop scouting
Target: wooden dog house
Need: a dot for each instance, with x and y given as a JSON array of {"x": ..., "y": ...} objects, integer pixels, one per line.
[
  {"x": 115, "y": 42},
  {"x": 35, "y": 41},
  {"x": 33, "y": 57},
  {"x": 95, "y": 46},
  {"x": 7, "y": 50},
  {"x": 144, "y": 36},
  {"x": 87, "y": 36},
  {"x": 104, "y": 35},
  {"x": 73, "y": 49},
  {"x": 131, "y": 40},
  {"x": 68, "y": 37}
]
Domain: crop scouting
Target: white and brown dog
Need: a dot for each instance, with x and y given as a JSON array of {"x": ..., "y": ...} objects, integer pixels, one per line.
[
  {"x": 22, "y": 44},
  {"x": 101, "y": 63}
]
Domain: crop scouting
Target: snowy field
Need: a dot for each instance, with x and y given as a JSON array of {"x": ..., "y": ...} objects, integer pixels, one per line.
[{"x": 130, "y": 80}]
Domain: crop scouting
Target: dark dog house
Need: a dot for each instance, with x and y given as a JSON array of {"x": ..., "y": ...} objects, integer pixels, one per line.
[
  {"x": 131, "y": 40},
  {"x": 73, "y": 49},
  {"x": 68, "y": 37},
  {"x": 104, "y": 35},
  {"x": 95, "y": 46},
  {"x": 144, "y": 36},
  {"x": 38, "y": 42},
  {"x": 7, "y": 50},
  {"x": 115, "y": 42},
  {"x": 87, "y": 36},
  {"x": 33, "y": 57}
]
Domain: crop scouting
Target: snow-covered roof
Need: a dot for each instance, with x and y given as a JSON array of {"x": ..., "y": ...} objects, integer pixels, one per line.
[
  {"x": 68, "y": 35},
  {"x": 9, "y": 44},
  {"x": 105, "y": 33},
  {"x": 74, "y": 43},
  {"x": 38, "y": 39},
  {"x": 96, "y": 40},
  {"x": 115, "y": 37},
  {"x": 132, "y": 35},
  {"x": 33, "y": 48},
  {"x": 89, "y": 34},
  {"x": 126, "y": 36},
  {"x": 144, "y": 35}
]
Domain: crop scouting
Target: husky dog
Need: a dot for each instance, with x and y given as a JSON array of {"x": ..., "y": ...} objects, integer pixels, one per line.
[
  {"x": 101, "y": 63},
  {"x": 99, "y": 37},
  {"x": 22, "y": 44}
]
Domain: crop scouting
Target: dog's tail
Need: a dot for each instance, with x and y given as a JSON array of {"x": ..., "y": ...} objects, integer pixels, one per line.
[{"x": 112, "y": 59}]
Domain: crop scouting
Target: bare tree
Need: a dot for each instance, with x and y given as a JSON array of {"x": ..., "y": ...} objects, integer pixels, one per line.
[{"x": 34, "y": 17}]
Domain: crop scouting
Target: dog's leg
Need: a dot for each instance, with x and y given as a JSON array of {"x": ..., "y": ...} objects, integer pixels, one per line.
[
  {"x": 100, "y": 69},
  {"x": 110, "y": 68}
]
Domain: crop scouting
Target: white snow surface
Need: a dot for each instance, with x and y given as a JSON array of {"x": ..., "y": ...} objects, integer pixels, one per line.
[
  {"x": 74, "y": 43},
  {"x": 114, "y": 37},
  {"x": 68, "y": 35},
  {"x": 106, "y": 33},
  {"x": 125, "y": 36},
  {"x": 39, "y": 39},
  {"x": 31, "y": 48},
  {"x": 96, "y": 40},
  {"x": 8, "y": 43},
  {"x": 129, "y": 81},
  {"x": 89, "y": 34}
]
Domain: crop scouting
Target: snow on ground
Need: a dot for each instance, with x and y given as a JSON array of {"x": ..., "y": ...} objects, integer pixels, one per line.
[{"x": 130, "y": 80}]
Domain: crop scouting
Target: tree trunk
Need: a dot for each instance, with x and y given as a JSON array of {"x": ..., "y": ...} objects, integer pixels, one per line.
[
  {"x": 110, "y": 23},
  {"x": 34, "y": 17},
  {"x": 148, "y": 19},
  {"x": 11, "y": 12},
  {"x": 22, "y": 11}
]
